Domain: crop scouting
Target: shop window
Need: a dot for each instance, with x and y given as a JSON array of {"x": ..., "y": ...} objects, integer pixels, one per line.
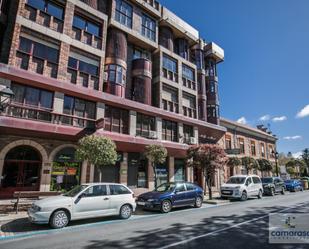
[{"x": 179, "y": 174}]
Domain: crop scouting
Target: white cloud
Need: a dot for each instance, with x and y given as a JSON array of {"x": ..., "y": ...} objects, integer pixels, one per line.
[
  {"x": 297, "y": 154},
  {"x": 292, "y": 137},
  {"x": 265, "y": 118},
  {"x": 303, "y": 112},
  {"x": 279, "y": 119},
  {"x": 242, "y": 120}
]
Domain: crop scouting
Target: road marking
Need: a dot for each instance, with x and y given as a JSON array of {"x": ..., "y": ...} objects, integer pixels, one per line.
[{"x": 225, "y": 229}]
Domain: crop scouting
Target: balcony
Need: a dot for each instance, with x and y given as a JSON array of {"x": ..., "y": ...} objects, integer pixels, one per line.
[
  {"x": 35, "y": 64},
  {"x": 236, "y": 151},
  {"x": 23, "y": 111},
  {"x": 189, "y": 83},
  {"x": 84, "y": 79},
  {"x": 189, "y": 112},
  {"x": 43, "y": 18},
  {"x": 170, "y": 106},
  {"x": 86, "y": 38},
  {"x": 170, "y": 75}
]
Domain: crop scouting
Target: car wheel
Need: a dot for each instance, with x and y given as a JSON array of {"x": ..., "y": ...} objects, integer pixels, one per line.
[
  {"x": 244, "y": 196},
  {"x": 125, "y": 212},
  {"x": 198, "y": 202},
  {"x": 59, "y": 219},
  {"x": 166, "y": 206},
  {"x": 260, "y": 195},
  {"x": 283, "y": 191},
  {"x": 272, "y": 192}
]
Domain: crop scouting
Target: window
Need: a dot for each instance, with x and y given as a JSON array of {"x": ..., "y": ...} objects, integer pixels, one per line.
[
  {"x": 179, "y": 170},
  {"x": 38, "y": 50},
  {"x": 144, "y": 125},
  {"x": 89, "y": 26},
  {"x": 148, "y": 27},
  {"x": 262, "y": 150},
  {"x": 79, "y": 107},
  {"x": 86, "y": 67},
  {"x": 188, "y": 73},
  {"x": 32, "y": 96},
  {"x": 118, "y": 190},
  {"x": 116, "y": 120},
  {"x": 187, "y": 133},
  {"x": 124, "y": 13},
  {"x": 169, "y": 131},
  {"x": 256, "y": 180},
  {"x": 98, "y": 190},
  {"x": 170, "y": 64},
  {"x": 190, "y": 187},
  {"x": 212, "y": 111},
  {"x": 228, "y": 142},
  {"x": 140, "y": 53},
  {"x": 180, "y": 187},
  {"x": 116, "y": 74},
  {"x": 248, "y": 181},
  {"x": 47, "y": 6},
  {"x": 253, "y": 150},
  {"x": 212, "y": 87},
  {"x": 241, "y": 143}
]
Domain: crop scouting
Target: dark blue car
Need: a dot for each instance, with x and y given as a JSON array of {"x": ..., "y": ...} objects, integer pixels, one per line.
[
  {"x": 293, "y": 185},
  {"x": 170, "y": 195}
]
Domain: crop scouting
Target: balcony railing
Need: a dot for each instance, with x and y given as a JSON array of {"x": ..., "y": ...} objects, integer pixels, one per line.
[
  {"x": 87, "y": 38},
  {"x": 35, "y": 64},
  {"x": 189, "y": 112},
  {"x": 43, "y": 18},
  {"x": 170, "y": 106},
  {"x": 82, "y": 78},
  {"x": 170, "y": 75},
  {"x": 188, "y": 83},
  {"x": 24, "y": 111}
]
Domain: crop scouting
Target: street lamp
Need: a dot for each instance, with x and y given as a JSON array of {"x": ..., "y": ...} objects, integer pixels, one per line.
[
  {"x": 6, "y": 94},
  {"x": 276, "y": 156}
]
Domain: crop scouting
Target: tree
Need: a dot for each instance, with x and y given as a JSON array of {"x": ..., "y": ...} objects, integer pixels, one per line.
[
  {"x": 305, "y": 157},
  {"x": 293, "y": 164},
  {"x": 264, "y": 165},
  {"x": 233, "y": 162},
  {"x": 99, "y": 151},
  {"x": 209, "y": 158},
  {"x": 156, "y": 154},
  {"x": 249, "y": 163}
]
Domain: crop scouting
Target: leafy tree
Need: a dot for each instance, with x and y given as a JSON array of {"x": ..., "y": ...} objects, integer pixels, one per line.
[
  {"x": 305, "y": 157},
  {"x": 249, "y": 163},
  {"x": 295, "y": 163},
  {"x": 156, "y": 154},
  {"x": 99, "y": 151},
  {"x": 264, "y": 165},
  {"x": 233, "y": 162},
  {"x": 209, "y": 158}
]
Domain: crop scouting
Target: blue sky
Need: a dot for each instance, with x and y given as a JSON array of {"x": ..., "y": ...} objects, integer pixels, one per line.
[{"x": 266, "y": 67}]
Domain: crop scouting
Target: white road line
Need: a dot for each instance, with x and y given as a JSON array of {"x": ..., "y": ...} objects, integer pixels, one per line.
[{"x": 224, "y": 229}]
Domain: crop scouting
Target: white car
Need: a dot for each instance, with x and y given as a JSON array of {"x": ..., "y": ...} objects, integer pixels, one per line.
[
  {"x": 83, "y": 202},
  {"x": 242, "y": 187}
]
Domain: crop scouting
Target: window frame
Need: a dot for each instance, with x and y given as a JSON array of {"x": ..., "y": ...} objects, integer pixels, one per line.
[
  {"x": 146, "y": 31},
  {"x": 45, "y": 8},
  {"x": 119, "y": 13},
  {"x": 87, "y": 21},
  {"x": 169, "y": 129}
]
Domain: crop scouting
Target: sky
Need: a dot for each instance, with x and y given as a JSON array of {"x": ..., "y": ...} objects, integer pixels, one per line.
[{"x": 265, "y": 76}]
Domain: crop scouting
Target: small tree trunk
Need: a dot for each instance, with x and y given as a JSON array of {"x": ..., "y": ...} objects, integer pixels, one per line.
[
  {"x": 101, "y": 173},
  {"x": 208, "y": 180},
  {"x": 155, "y": 175}
]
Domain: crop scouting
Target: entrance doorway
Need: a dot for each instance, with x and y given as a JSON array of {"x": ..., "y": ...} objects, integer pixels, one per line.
[{"x": 21, "y": 171}]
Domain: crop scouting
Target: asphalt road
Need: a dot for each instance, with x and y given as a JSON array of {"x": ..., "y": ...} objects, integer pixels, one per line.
[{"x": 236, "y": 225}]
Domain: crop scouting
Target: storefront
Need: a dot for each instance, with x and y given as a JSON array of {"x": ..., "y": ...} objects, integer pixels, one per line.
[
  {"x": 180, "y": 174},
  {"x": 162, "y": 173},
  {"x": 66, "y": 170},
  {"x": 137, "y": 171}
]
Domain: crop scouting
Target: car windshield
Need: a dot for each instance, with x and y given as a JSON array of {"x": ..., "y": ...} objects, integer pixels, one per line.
[
  {"x": 236, "y": 180},
  {"x": 267, "y": 180},
  {"x": 73, "y": 192},
  {"x": 165, "y": 187}
]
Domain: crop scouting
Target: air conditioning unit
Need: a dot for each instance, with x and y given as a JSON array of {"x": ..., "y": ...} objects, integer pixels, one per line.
[
  {"x": 105, "y": 76},
  {"x": 153, "y": 134},
  {"x": 193, "y": 140}
]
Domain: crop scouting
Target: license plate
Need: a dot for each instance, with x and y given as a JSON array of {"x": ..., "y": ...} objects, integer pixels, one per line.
[
  {"x": 225, "y": 192},
  {"x": 141, "y": 203}
]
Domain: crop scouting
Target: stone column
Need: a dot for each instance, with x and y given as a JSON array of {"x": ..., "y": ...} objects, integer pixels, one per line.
[
  {"x": 100, "y": 110},
  {"x": 132, "y": 123},
  {"x": 123, "y": 174},
  {"x": 150, "y": 177},
  {"x": 58, "y": 102},
  {"x": 180, "y": 133},
  {"x": 83, "y": 173},
  {"x": 45, "y": 176},
  {"x": 195, "y": 133},
  {"x": 171, "y": 168},
  {"x": 159, "y": 128}
]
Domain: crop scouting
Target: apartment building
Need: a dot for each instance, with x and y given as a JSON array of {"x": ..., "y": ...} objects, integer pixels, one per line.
[
  {"x": 242, "y": 140},
  {"x": 129, "y": 70}
]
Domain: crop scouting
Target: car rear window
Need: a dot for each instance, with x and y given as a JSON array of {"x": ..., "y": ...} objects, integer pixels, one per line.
[{"x": 118, "y": 190}]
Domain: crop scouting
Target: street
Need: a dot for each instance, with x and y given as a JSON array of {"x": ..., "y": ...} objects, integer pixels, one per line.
[{"x": 234, "y": 225}]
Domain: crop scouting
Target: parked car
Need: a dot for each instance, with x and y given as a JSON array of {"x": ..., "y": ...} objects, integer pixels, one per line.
[
  {"x": 293, "y": 185},
  {"x": 273, "y": 185},
  {"x": 82, "y": 202},
  {"x": 170, "y": 195},
  {"x": 242, "y": 187}
]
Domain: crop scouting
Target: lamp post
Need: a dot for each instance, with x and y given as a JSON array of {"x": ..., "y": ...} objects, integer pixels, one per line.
[
  {"x": 6, "y": 94},
  {"x": 276, "y": 155}
]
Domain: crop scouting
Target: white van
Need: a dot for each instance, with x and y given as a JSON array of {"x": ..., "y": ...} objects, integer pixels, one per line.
[
  {"x": 242, "y": 187},
  {"x": 83, "y": 202}
]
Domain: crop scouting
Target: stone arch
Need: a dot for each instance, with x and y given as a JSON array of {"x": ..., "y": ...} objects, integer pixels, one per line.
[{"x": 59, "y": 148}]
